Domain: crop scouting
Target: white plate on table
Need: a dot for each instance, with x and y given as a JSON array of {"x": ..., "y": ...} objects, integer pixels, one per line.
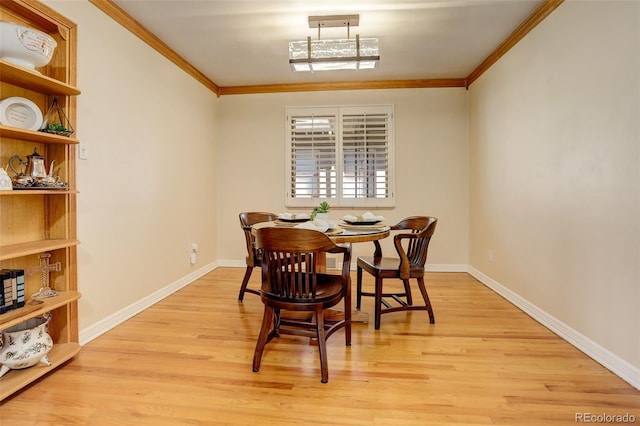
[
  {"x": 305, "y": 219},
  {"x": 362, "y": 222},
  {"x": 377, "y": 226},
  {"x": 326, "y": 227},
  {"x": 21, "y": 113}
]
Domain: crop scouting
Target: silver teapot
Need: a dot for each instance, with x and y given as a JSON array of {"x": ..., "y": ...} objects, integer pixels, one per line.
[{"x": 32, "y": 171}]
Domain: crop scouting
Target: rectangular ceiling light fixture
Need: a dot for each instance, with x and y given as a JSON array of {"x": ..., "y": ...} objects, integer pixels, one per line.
[{"x": 334, "y": 54}]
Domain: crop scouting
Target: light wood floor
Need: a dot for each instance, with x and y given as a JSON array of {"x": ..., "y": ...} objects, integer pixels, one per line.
[{"x": 187, "y": 361}]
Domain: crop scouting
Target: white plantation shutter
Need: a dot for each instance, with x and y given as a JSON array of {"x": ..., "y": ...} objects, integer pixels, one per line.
[
  {"x": 343, "y": 155},
  {"x": 365, "y": 148},
  {"x": 313, "y": 155}
]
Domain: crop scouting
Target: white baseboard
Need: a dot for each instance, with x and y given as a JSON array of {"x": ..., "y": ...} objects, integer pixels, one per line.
[
  {"x": 89, "y": 333},
  {"x": 232, "y": 263},
  {"x": 430, "y": 267},
  {"x": 623, "y": 369}
]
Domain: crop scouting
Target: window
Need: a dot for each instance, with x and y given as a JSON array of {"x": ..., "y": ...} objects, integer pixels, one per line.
[{"x": 342, "y": 155}]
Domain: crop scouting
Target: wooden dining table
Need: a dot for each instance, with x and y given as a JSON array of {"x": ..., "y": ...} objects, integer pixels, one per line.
[{"x": 341, "y": 235}]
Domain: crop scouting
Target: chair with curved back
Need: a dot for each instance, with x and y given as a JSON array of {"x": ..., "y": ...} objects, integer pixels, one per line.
[
  {"x": 291, "y": 281},
  {"x": 411, "y": 248},
  {"x": 247, "y": 220}
]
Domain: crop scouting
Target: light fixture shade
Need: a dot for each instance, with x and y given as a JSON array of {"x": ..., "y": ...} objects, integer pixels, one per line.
[{"x": 339, "y": 54}]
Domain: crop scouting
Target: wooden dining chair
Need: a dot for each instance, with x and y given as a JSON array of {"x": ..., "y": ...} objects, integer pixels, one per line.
[
  {"x": 291, "y": 281},
  {"x": 247, "y": 220},
  {"x": 411, "y": 248}
]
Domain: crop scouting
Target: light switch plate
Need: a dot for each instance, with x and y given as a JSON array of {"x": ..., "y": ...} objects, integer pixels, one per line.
[{"x": 83, "y": 152}]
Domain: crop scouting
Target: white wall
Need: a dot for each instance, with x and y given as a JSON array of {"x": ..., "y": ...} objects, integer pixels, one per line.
[
  {"x": 149, "y": 187},
  {"x": 555, "y": 174},
  {"x": 431, "y": 163}
]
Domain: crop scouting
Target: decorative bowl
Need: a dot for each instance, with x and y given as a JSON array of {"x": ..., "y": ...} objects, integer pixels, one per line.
[
  {"x": 25, "y": 345},
  {"x": 24, "y": 46}
]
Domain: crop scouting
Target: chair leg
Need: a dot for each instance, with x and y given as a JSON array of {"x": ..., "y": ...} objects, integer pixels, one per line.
[
  {"x": 427, "y": 302},
  {"x": 407, "y": 291},
  {"x": 322, "y": 345},
  {"x": 245, "y": 282},
  {"x": 262, "y": 337},
  {"x": 378, "y": 303},
  {"x": 347, "y": 316},
  {"x": 359, "y": 288}
]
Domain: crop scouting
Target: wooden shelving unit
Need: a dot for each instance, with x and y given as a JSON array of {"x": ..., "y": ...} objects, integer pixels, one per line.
[
  {"x": 34, "y": 247},
  {"x": 19, "y": 76},
  {"x": 33, "y": 136},
  {"x": 37, "y": 221}
]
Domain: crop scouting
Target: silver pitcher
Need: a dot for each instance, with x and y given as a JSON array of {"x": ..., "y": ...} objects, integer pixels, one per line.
[{"x": 31, "y": 171}]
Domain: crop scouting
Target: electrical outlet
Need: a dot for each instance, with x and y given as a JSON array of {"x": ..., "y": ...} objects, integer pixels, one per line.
[
  {"x": 490, "y": 256},
  {"x": 193, "y": 249}
]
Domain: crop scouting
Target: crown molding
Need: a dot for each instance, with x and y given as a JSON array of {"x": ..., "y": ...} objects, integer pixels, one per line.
[{"x": 343, "y": 85}]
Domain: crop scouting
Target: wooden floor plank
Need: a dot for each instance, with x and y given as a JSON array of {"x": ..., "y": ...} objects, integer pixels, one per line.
[{"x": 187, "y": 360}]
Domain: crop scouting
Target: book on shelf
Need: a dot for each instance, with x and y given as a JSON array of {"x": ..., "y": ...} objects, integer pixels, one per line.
[
  {"x": 5, "y": 289},
  {"x": 13, "y": 291}
]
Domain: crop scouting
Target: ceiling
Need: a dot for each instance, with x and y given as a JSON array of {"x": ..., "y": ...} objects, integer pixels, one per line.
[{"x": 245, "y": 42}]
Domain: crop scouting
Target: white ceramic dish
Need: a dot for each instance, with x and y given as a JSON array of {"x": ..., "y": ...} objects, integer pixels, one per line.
[
  {"x": 24, "y": 46},
  {"x": 304, "y": 219},
  {"x": 293, "y": 217},
  {"x": 371, "y": 227},
  {"x": 362, "y": 222},
  {"x": 20, "y": 112},
  {"x": 25, "y": 345}
]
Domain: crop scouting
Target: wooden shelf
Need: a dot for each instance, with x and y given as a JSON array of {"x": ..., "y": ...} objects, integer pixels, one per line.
[
  {"x": 32, "y": 80},
  {"x": 39, "y": 192},
  {"x": 34, "y": 215},
  {"x": 35, "y": 136},
  {"x": 34, "y": 247},
  {"x": 32, "y": 310},
  {"x": 14, "y": 380}
]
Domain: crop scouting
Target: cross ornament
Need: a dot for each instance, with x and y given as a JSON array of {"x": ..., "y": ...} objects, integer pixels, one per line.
[{"x": 44, "y": 269}]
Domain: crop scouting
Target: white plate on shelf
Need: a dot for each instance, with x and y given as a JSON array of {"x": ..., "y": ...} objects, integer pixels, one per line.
[{"x": 21, "y": 113}]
